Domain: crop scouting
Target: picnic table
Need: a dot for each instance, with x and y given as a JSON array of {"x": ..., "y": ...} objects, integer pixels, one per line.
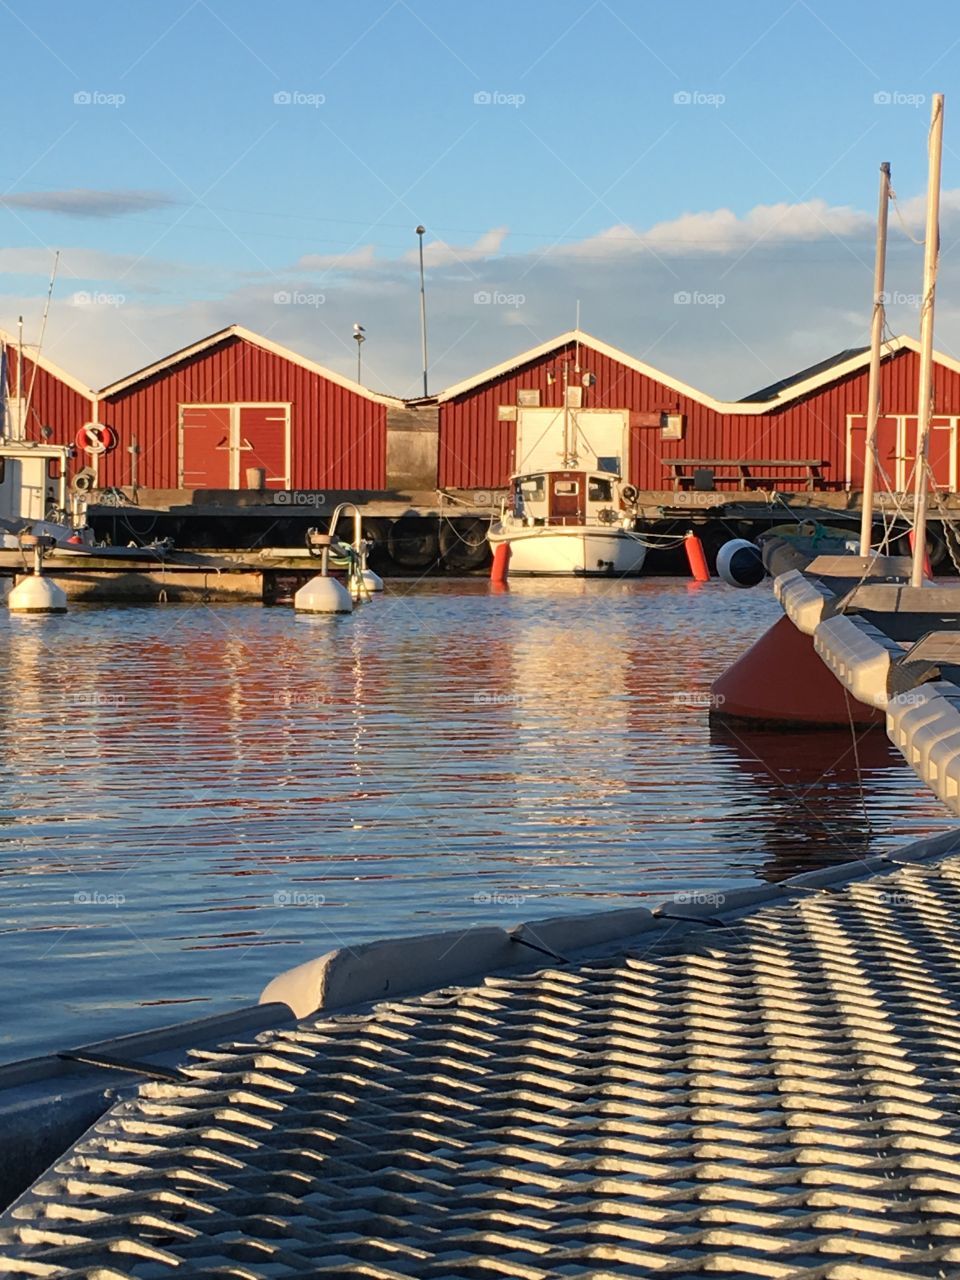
[{"x": 752, "y": 473}]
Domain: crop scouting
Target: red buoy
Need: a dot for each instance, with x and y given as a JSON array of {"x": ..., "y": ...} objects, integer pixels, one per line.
[
  {"x": 782, "y": 680},
  {"x": 696, "y": 558},
  {"x": 927, "y": 567},
  {"x": 501, "y": 562}
]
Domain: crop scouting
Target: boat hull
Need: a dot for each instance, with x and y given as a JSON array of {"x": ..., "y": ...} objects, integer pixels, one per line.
[{"x": 575, "y": 551}]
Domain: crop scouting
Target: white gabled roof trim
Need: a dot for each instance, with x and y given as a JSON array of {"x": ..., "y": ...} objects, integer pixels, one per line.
[
  {"x": 748, "y": 408},
  {"x": 30, "y": 353},
  {"x": 255, "y": 339}
]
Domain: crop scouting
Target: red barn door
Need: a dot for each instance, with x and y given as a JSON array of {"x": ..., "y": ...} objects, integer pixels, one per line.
[
  {"x": 263, "y": 442},
  {"x": 219, "y": 442},
  {"x": 205, "y": 446}
]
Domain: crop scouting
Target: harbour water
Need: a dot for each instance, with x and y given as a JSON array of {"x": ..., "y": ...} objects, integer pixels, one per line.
[{"x": 196, "y": 798}]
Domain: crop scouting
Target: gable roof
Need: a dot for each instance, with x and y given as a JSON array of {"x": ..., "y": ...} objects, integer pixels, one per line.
[
  {"x": 255, "y": 339},
  {"x": 776, "y": 389},
  {"x": 30, "y": 353},
  {"x": 853, "y": 360}
]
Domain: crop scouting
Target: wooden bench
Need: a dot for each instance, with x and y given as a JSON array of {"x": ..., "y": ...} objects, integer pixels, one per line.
[{"x": 744, "y": 469}]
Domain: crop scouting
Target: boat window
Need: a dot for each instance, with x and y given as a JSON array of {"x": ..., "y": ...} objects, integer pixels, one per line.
[
  {"x": 566, "y": 487},
  {"x": 599, "y": 490},
  {"x": 53, "y": 468},
  {"x": 532, "y": 488}
]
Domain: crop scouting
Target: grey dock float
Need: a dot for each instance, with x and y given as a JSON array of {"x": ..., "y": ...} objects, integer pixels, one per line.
[
  {"x": 770, "y": 1091},
  {"x": 891, "y": 674}
]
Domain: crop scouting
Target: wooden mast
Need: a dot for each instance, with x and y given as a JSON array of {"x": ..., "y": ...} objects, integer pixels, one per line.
[
  {"x": 873, "y": 388},
  {"x": 931, "y": 253}
]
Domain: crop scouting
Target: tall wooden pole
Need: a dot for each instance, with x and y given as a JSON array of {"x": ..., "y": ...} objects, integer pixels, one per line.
[
  {"x": 873, "y": 386},
  {"x": 931, "y": 254}
]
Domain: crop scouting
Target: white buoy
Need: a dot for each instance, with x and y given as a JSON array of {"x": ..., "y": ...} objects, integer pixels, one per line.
[
  {"x": 37, "y": 594},
  {"x": 372, "y": 581},
  {"x": 740, "y": 564},
  {"x": 323, "y": 595}
]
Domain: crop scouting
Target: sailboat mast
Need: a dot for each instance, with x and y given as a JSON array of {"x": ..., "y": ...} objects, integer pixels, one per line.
[
  {"x": 19, "y": 378},
  {"x": 566, "y": 418},
  {"x": 931, "y": 253},
  {"x": 873, "y": 386}
]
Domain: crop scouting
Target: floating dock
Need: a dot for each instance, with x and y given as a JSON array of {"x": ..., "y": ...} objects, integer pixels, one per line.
[{"x": 764, "y": 1086}]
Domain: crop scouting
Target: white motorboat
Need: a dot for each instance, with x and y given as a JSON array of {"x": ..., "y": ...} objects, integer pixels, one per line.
[{"x": 570, "y": 522}]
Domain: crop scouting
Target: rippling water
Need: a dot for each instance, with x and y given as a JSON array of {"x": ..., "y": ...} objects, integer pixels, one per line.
[{"x": 197, "y": 798}]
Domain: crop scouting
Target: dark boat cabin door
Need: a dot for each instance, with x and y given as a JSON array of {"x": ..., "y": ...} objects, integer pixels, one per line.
[{"x": 566, "y": 497}]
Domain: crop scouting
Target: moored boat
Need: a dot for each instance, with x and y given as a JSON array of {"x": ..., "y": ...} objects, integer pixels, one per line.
[{"x": 570, "y": 522}]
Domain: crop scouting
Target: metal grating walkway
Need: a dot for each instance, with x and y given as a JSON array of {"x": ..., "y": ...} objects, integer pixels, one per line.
[{"x": 779, "y": 1098}]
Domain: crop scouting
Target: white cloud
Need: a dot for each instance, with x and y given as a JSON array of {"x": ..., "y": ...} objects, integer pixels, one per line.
[
  {"x": 721, "y": 231},
  {"x": 355, "y": 260},
  {"x": 438, "y": 253}
]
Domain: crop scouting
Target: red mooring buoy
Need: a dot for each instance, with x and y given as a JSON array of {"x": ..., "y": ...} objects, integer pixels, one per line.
[
  {"x": 696, "y": 558},
  {"x": 927, "y": 567},
  {"x": 780, "y": 680},
  {"x": 501, "y": 563}
]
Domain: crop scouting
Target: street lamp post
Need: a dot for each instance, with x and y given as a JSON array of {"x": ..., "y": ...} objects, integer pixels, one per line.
[
  {"x": 359, "y": 337},
  {"x": 423, "y": 311}
]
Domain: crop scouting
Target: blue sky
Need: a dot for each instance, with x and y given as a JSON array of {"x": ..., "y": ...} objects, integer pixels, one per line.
[{"x": 200, "y": 163}]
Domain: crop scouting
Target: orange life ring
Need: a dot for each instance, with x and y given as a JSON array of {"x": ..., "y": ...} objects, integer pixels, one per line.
[{"x": 96, "y": 438}]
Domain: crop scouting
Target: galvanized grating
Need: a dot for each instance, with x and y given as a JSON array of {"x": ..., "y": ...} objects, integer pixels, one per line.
[{"x": 781, "y": 1099}]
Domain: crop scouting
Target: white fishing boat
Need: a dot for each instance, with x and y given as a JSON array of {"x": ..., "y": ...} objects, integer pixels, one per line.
[
  {"x": 569, "y": 511},
  {"x": 569, "y": 522}
]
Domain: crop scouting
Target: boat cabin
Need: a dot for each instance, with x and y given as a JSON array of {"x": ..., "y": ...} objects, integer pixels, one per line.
[
  {"x": 566, "y": 498},
  {"x": 33, "y": 479}
]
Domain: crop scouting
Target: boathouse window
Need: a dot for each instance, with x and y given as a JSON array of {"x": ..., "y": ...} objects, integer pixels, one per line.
[{"x": 599, "y": 490}]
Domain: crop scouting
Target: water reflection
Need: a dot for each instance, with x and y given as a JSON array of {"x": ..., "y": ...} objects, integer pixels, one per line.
[
  {"x": 197, "y": 798},
  {"x": 812, "y": 798}
]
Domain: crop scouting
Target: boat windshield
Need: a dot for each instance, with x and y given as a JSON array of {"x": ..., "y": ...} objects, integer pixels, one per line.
[
  {"x": 599, "y": 489},
  {"x": 528, "y": 491}
]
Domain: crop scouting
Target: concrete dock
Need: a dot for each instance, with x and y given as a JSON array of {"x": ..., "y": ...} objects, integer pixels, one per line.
[{"x": 765, "y": 1086}]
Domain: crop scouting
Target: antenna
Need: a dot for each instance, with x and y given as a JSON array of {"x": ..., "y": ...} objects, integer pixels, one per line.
[{"x": 43, "y": 329}]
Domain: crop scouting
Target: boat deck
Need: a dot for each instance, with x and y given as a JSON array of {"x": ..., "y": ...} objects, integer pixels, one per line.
[{"x": 765, "y": 1093}]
